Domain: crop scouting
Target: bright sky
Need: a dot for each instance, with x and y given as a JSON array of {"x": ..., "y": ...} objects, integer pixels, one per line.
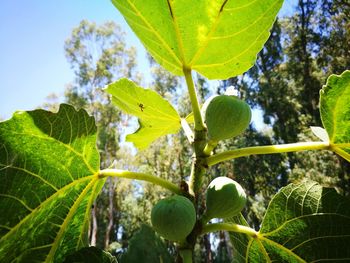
[{"x": 32, "y": 61}]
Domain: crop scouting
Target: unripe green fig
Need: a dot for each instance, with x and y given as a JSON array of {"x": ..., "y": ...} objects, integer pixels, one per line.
[
  {"x": 225, "y": 198},
  {"x": 174, "y": 217},
  {"x": 225, "y": 117}
]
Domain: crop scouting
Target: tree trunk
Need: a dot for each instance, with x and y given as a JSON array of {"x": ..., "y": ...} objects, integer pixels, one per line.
[
  {"x": 93, "y": 239},
  {"x": 208, "y": 252},
  {"x": 110, "y": 212}
]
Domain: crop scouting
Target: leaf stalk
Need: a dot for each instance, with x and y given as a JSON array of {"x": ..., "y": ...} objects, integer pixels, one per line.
[
  {"x": 198, "y": 121},
  {"x": 229, "y": 227},
  {"x": 270, "y": 149},
  {"x": 143, "y": 177}
]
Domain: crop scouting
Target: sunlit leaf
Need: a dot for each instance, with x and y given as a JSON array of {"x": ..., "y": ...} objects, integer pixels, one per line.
[
  {"x": 48, "y": 173},
  {"x": 217, "y": 38},
  {"x": 156, "y": 115},
  {"x": 304, "y": 223},
  {"x": 335, "y": 112}
]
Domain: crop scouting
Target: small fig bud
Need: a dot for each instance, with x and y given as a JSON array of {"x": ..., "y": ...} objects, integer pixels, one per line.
[
  {"x": 225, "y": 117},
  {"x": 225, "y": 198},
  {"x": 174, "y": 217}
]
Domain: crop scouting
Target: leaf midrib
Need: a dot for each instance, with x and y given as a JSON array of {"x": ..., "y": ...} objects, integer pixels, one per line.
[
  {"x": 263, "y": 250},
  {"x": 87, "y": 212},
  {"x": 68, "y": 218},
  {"x": 154, "y": 31},
  {"x": 289, "y": 252},
  {"x": 211, "y": 31},
  {"x": 178, "y": 36}
]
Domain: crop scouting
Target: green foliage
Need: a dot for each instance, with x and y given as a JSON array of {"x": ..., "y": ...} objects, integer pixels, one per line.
[
  {"x": 90, "y": 255},
  {"x": 302, "y": 224},
  {"x": 240, "y": 241},
  {"x": 335, "y": 112},
  {"x": 312, "y": 224},
  {"x": 220, "y": 41},
  {"x": 156, "y": 116},
  {"x": 49, "y": 165},
  {"x": 146, "y": 246}
]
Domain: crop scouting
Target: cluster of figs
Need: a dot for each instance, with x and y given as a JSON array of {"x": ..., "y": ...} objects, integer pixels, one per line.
[{"x": 175, "y": 217}]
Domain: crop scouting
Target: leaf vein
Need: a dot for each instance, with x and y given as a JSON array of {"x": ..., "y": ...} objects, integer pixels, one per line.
[
  {"x": 139, "y": 14},
  {"x": 80, "y": 155},
  {"x": 17, "y": 199},
  {"x": 29, "y": 173},
  {"x": 53, "y": 196},
  {"x": 316, "y": 238},
  {"x": 305, "y": 195},
  {"x": 257, "y": 20},
  {"x": 211, "y": 31},
  {"x": 241, "y": 7},
  {"x": 231, "y": 59},
  {"x": 283, "y": 248},
  {"x": 68, "y": 218},
  {"x": 301, "y": 217}
]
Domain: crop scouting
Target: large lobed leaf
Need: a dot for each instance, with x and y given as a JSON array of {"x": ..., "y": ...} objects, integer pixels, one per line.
[
  {"x": 217, "y": 38},
  {"x": 49, "y": 179},
  {"x": 335, "y": 112},
  {"x": 156, "y": 115},
  {"x": 304, "y": 223}
]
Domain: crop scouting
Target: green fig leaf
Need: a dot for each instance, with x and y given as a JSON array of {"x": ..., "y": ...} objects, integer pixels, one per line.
[
  {"x": 49, "y": 179},
  {"x": 239, "y": 241},
  {"x": 146, "y": 246},
  {"x": 156, "y": 115},
  {"x": 335, "y": 112},
  {"x": 217, "y": 38},
  {"x": 90, "y": 255},
  {"x": 304, "y": 223}
]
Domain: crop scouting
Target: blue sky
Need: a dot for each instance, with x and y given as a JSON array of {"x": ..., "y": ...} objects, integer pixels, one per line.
[{"x": 32, "y": 61}]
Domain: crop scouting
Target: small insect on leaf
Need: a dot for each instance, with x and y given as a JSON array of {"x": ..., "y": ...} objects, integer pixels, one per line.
[{"x": 142, "y": 107}]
